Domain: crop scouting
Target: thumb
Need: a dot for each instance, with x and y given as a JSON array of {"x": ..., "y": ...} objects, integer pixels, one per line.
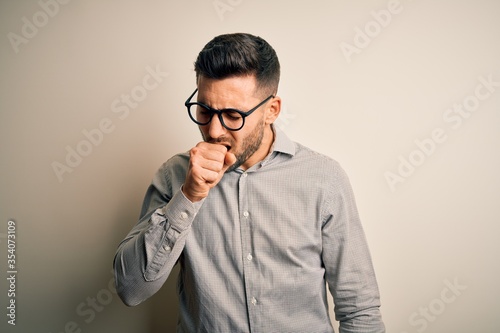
[{"x": 229, "y": 160}]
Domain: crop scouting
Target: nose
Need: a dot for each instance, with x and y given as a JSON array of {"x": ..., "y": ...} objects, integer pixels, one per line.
[{"x": 215, "y": 128}]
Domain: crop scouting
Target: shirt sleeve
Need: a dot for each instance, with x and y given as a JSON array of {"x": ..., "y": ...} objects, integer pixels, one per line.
[
  {"x": 349, "y": 269},
  {"x": 145, "y": 258}
]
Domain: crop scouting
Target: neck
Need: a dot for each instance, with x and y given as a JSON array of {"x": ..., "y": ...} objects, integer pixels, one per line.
[{"x": 264, "y": 149}]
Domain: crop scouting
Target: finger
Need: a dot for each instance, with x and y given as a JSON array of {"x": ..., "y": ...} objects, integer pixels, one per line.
[
  {"x": 212, "y": 147},
  {"x": 209, "y": 159},
  {"x": 229, "y": 160}
]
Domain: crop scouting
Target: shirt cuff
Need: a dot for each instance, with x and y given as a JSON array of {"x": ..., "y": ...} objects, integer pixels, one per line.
[{"x": 181, "y": 211}]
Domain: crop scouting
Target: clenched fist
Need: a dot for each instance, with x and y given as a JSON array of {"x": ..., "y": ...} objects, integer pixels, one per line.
[{"x": 207, "y": 164}]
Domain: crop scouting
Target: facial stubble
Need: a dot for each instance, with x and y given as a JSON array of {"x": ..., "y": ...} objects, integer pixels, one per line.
[{"x": 251, "y": 143}]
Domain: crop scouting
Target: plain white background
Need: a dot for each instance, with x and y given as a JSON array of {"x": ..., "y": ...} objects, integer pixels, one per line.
[{"x": 365, "y": 82}]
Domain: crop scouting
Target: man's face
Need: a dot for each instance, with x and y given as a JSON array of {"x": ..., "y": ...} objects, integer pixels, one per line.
[{"x": 250, "y": 144}]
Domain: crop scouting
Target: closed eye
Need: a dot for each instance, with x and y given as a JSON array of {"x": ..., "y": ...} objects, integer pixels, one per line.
[{"x": 231, "y": 114}]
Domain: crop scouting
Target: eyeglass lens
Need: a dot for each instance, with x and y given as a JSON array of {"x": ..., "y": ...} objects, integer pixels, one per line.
[{"x": 230, "y": 119}]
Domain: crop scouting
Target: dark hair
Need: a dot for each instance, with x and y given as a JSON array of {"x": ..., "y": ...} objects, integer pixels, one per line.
[{"x": 239, "y": 54}]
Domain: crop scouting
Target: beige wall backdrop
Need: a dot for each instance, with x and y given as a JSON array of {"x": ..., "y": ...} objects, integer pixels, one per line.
[{"x": 404, "y": 94}]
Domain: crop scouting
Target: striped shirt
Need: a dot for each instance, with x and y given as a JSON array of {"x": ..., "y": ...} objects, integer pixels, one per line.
[{"x": 257, "y": 253}]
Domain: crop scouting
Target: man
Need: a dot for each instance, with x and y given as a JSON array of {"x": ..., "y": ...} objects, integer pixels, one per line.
[{"x": 259, "y": 224}]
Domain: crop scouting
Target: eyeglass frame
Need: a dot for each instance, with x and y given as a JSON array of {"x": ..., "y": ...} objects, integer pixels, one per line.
[{"x": 219, "y": 113}]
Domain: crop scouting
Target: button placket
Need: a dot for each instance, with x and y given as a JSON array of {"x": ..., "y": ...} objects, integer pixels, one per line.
[{"x": 249, "y": 272}]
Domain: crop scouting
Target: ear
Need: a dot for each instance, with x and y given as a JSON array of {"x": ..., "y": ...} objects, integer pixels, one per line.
[{"x": 273, "y": 110}]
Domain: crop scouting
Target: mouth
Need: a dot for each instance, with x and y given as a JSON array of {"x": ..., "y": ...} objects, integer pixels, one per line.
[
  {"x": 225, "y": 144},
  {"x": 221, "y": 142}
]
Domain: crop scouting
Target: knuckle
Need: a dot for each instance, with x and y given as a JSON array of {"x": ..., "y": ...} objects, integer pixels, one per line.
[{"x": 194, "y": 151}]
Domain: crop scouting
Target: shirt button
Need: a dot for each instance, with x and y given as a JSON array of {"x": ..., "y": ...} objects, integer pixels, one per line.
[
  {"x": 249, "y": 257},
  {"x": 244, "y": 174},
  {"x": 245, "y": 214},
  {"x": 167, "y": 248},
  {"x": 184, "y": 215},
  {"x": 254, "y": 301}
]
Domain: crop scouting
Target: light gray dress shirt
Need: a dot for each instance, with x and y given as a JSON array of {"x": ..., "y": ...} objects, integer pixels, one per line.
[{"x": 256, "y": 254}]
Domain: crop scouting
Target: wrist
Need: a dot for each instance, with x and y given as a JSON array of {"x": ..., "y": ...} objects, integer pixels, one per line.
[{"x": 190, "y": 197}]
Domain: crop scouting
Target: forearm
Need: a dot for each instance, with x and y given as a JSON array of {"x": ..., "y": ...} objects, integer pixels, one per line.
[
  {"x": 365, "y": 321},
  {"x": 145, "y": 258},
  {"x": 355, "y": 291},
  {"x": 354, "y": 286}
]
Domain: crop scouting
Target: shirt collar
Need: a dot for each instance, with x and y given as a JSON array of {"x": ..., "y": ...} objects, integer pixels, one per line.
[{"x": 282, "y": 143}]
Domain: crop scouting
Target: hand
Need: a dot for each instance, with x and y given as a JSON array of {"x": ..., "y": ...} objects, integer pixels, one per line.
[{"x": 207, "y": 164}]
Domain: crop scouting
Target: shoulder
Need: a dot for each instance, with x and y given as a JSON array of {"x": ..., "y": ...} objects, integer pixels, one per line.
[
  {"x": 173, "y": 172},
  {"x": 305, "y": 154},
  {"x": 320, "y": 166},
  {"x": 178, "y": 161}
]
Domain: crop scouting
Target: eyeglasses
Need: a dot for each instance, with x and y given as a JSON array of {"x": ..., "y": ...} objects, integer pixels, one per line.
[{"x": 232, "y": 119}]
